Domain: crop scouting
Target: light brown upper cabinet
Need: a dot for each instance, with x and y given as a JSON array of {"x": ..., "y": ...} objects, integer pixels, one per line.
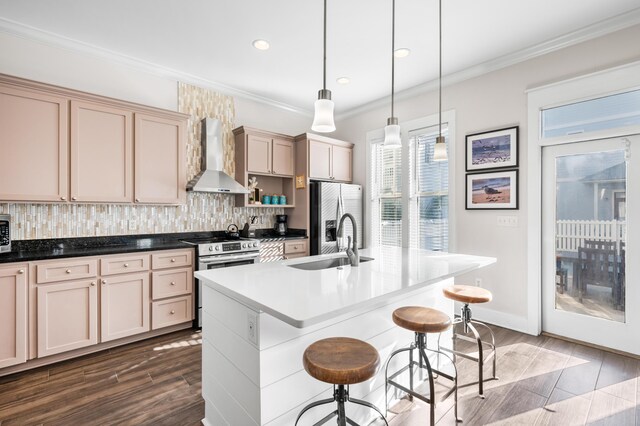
[
  {"x": 258, "y": 154},
  {"x": 267, "y": 155},
  {"x": 270, "y": 158},
  {"x": 101, "y": 153},
  {"x": 35, "y": 145},
  {"x": 330, "y": 160},
  {"x": 342, "y": 160},
  {"x": 282, "y": 157},
  {"x": 68, "y": 146},
  {"x": 160, "y": 146}
]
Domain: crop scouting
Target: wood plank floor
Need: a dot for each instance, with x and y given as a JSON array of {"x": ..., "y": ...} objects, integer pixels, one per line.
[{"x": 543, "y": 381}]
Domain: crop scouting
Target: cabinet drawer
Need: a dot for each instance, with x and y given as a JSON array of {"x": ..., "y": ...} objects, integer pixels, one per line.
[
  {"x": 171, "y": 312},
  {"x": 124, "y": 264},
  {"x": 66, "y": 270},
  {"x": 171, "y": 259},
  {"x": 170, "y": 283},
  {"x": 295, "y": 256},
  {"x": 291, "y": 247}
]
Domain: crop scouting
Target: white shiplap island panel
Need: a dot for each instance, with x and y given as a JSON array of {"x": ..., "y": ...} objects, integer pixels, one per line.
[{"x": 258, "y": 320}]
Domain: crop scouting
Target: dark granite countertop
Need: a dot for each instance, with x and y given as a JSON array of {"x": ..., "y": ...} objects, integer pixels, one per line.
[
  {"x": 29, "y": 250},
  {"x": 269, "y": 235}
]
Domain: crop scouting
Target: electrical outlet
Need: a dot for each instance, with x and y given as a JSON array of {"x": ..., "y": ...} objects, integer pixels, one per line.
[
  {"x": 132, "y": 225},
  {"x": 507, "y": 221},
  {"x": 478, "y": 282},
  {"x": 252, "y": 327}
]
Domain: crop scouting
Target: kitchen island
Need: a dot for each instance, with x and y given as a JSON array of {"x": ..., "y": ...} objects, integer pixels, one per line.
[{"x": 258, "y": 320}]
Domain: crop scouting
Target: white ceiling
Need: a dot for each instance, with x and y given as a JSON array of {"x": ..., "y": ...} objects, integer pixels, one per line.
[{"x": 211, "y": 39}]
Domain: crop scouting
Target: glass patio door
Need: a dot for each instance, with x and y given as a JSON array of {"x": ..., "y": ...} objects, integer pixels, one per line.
[{"x": 591, "y": 199}]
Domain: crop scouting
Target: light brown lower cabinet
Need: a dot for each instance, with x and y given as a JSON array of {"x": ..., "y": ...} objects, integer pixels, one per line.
[
  {"x": 171, "y": 311},
  {"x": 124, "y": 306},
  {"x": 104, "y": 299},
  {"x": 67, "y": 316},
  {"x": 13, "y": 315},
  {"x": 295, "y": 249}
]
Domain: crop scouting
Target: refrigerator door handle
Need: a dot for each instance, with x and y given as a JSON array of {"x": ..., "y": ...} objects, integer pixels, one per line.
[{"x": 338, "y": 216}]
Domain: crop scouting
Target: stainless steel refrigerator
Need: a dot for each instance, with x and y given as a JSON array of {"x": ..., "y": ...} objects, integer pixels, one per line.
[{"x": 329, "y": 201}]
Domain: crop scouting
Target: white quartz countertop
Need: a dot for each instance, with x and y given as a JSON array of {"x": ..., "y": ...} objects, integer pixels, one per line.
[{"x": 303, "y": 298}]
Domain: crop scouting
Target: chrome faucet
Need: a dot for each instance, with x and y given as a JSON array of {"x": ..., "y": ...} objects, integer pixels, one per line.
[{"x": 352, "y": 246}]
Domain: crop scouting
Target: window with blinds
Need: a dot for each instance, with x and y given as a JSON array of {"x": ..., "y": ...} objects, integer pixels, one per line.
[
  {"x": 429, "y": 192},
  {"x": 386, "y": 203}
]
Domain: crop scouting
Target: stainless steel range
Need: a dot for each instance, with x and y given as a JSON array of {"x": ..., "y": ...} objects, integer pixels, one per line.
[{"x": 221, "y": 252}]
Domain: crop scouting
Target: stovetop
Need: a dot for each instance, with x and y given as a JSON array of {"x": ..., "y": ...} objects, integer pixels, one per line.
[
  {"x": 209, "y": 240},
  {"x": 223, "y": 245}
]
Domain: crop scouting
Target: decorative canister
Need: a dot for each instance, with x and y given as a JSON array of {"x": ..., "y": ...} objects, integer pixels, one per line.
[
  {"x": 266, "y": 199},
  {"x": 282, "y": 199}
]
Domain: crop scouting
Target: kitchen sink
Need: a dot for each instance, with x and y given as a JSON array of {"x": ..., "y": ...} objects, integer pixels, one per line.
[{"x": 327, "y": 263}]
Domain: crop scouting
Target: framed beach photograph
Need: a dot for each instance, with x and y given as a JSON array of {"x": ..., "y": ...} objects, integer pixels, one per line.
[
  {"x": 492, "y": 191},
  {"x": 496, "y": 149}
]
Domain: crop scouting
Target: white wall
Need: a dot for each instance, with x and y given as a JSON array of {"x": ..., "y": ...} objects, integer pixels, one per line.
[
  {"x": 109, "y": 76},
  {"x": 492, "y": 101}
]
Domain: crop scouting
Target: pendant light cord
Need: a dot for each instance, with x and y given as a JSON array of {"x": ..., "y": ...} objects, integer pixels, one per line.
[
  {"x": 324, "y": 49},
  {"x": 393, "y": 57},
  {"x": 440, "y": 69}
]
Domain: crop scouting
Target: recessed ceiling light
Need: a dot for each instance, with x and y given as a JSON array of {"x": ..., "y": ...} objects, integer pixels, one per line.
[
  {"x": 402, "y": 52},
  {"x": 260, "y": 44},
  {"x": 343, "y": 80}
]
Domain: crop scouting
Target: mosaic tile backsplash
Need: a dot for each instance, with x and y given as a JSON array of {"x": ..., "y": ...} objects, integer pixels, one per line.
[{"x": 202, "y": 211}]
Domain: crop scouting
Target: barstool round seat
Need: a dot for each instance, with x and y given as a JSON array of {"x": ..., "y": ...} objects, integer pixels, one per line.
[
  {"x": 341, "y": 360},
  {"x": 421, "y": 319},
  {"x": 467, "y": 294}
]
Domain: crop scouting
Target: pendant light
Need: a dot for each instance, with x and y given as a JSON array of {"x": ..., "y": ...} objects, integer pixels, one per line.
[
  {"x": 323, "y": 117},
  {"x": 392, "y": 129},
  {"x": 440, "y": 148}
]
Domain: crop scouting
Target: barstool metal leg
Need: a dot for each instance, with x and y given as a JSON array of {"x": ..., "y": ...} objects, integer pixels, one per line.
[
  {"x": 468, "y": 327},
  {"x": 316, "y": 404},
  {"x": 421, "y": 345},
  {"x": 386, "y": 376},
  {"x": 340, "y": 395},
  {"x": 370, "y": 405}
]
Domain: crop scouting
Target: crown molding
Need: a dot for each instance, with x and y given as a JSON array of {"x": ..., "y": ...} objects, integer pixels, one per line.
[
  {"x": 590, "y": 32},
  {"x": 47, "y": 38},
  {"x": 587, "y": 33}
]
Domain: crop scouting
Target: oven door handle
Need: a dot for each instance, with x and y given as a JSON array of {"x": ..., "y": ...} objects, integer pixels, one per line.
[{"x": 224, "y": 259}]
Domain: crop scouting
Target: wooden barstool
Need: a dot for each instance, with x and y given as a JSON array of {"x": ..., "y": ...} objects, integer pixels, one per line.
[
  {"x": 422, "y": 321},
  {"x": 341, "y": 361},
  {"x": 468, "y": 295}
]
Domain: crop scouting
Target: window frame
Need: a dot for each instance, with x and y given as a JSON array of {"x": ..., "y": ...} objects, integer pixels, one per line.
[{"x": 408, "y": 128}]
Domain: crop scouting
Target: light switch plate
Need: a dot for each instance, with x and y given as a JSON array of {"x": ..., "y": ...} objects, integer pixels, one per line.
[{"x": 508, "y": 221}]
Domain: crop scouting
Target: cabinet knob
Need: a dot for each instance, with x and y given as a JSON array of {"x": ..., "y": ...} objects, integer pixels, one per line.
[
  {"x": 68, "y": 271},
  {"x": 73, "y": 198},
  {"x": 137, "y": 200},
  {"x": 104, "y": 282},
  {"x": 173, "y": 283},
  {"x": 21, "y": 271},
  {"x": 172, "y": 312},
  {"x": 93, "y": 283},
  {"x": 173, "y": 260},
  {"x": 126, "y": 265},
  {"x": 63, "y": 198}
]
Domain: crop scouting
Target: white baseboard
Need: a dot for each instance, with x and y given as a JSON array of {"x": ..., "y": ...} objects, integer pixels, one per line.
[{"x": 501, "y": 319}]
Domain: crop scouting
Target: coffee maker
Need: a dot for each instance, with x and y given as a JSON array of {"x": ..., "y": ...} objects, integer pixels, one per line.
[{"x": 280, "y": 226}]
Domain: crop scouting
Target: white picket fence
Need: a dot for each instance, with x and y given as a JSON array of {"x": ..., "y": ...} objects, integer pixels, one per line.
[{"x": 570, "y": 234}]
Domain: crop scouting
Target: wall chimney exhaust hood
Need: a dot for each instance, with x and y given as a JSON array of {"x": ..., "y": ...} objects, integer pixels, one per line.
[{"x": 212, "y": 178}]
